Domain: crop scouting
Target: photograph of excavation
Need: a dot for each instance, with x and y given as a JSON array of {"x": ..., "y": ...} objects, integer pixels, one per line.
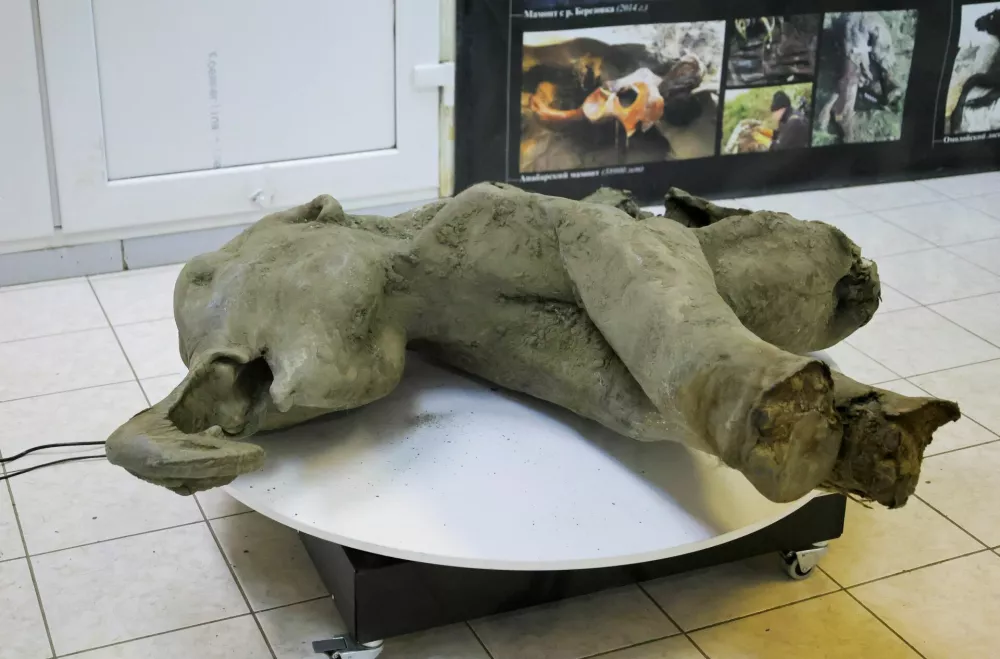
[
  {"x": 773, "y": 50},
  {"x": 620, "y": 95},
  {"x": 862, "y": 78},
  {"x": 973, "y": 104},
  {"x": 767, "y": 119}
]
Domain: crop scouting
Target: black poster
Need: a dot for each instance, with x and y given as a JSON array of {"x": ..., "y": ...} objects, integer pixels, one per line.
[{"x": 723, "y": 98}]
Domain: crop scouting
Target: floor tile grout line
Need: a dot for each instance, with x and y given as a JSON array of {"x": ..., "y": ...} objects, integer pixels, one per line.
[
  {"x": 842, "y": 589},
  {"x": 67, "y": 391},
  {"x": 962, "y": 448},
  {"x": 983, "y": 338},
  {"x": 116, "y": 538},
  {"x": 50, "y": 335},
  {"x": 912, "y": 233},
  {"x": 149, "y": 636},
  {"x": 143, "y": 322},
  {"x": 482, "y": 643},
  {"x": 885, "y": 624},
  {"x": 915, "y": 569},
  {"x": 963, "y": 529},
  {"x": 236, "y": 580},
  {"x": 31, "y": 567},
  {"x": 117, "y": 338},
  {"x": 605, "y": 653},
  {"x": 767, "y": 610},
  {"x": 672, "y": 621}
]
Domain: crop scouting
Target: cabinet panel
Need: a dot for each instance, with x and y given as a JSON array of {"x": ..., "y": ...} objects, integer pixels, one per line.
[
  {"x": 25, "y": 197},
  {"x": 190, "y": 85},
  {"x": 166, "y": 111}
]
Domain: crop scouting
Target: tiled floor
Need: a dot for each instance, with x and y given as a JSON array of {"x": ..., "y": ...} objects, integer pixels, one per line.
[{"x": 95, "y": 564}]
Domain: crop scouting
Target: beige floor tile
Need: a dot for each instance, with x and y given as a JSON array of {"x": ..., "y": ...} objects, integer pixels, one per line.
[
  {"x": 82, "y": 502},
  {"x": 982, "y": 253},
  {"x": 291, "y": 630},
  {"x": 965, "y": 185},
  {"x": 812, "y": 205},
  {"x": 878, "y": 238},
  {"x": 216, "y": 503},
  {"x": 22, "y": 632},
  {"x": 975, "y": 388},
  {"x": 43, "y": 310},
  {"x": 159, "y": 388},
  {"x": 936, "y": 275},
  {"x": 87, "y": 415},
  {"x": 893, "y": 300},
  {"x": 675, "y": 647},
  {"x": 959, "y": 434},
  {"x": 944, "y": 223},
  {"x": 712, "y": 595},
  {"x": 918, "y": 341},
  {"x": 884, "y": 196},
  {"x": 152, "y": 348},
  {"x": 269, "y": 560},
  {"x": 878, "y": 542},
  {"x": 979, "y": 315},
  {"x": 829, "y": 627},
  {"x": 125, "y": 589},
  {"x": 946, "y": 611},
  {"x": 452, "y": 642},
  {"x": 988, "y": 203},
  {"x": 963, "y": 485},
  {"x": 858, "y": 366},
  {"x": 48, "y": 365},
  {"x": 137, "y": 295},
  {"x": 575, "y": 628},
  {"x": 237, "y": 638},
  {"x": 10, "y": 535}
]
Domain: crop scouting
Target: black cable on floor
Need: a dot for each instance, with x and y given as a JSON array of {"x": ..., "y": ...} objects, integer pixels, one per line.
[
  {"x": 49, "y": 464},
  {"x": 45, "y": 446}
]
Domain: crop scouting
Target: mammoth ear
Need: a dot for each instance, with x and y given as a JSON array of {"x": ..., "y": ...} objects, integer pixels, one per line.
[{"x": 694, "y": 211}]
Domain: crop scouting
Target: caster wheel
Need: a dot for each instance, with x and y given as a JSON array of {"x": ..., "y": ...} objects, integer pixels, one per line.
[
  {"x": 800, "y": 564},
  {"x": 794, "y": 568}
]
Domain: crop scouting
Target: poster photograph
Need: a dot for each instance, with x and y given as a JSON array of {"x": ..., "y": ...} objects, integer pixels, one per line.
[
  {"x": 773, "y": 50},
  {"x": 973, "y": 103},
  {"x": 863, "y": 76},
  {"x": 620, "y": 95},
  {"x": 767, "y": 119}
]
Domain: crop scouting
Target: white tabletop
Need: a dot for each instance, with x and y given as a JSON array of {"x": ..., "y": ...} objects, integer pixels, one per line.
[{"x": 447, "y": 471}]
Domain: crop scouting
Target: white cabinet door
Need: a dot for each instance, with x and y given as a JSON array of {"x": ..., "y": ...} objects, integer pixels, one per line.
[
  {"x": 25, "y": 197},
  {"x": 171, "y": 110}
]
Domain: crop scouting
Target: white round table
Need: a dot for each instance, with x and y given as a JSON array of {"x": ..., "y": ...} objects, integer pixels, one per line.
[{"x": 449, "y": 471}]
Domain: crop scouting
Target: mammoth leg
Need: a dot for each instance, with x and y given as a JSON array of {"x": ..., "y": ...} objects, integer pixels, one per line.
[
  {"x": 288, "y": 321},
  {"x": 885, "y": 435},
  {"x": 649, "y": 289}
]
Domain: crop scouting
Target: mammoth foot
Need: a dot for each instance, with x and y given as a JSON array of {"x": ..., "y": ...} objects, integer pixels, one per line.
[
  {"x": 188, "y": 442},
  {"x": 885, "y": 435}
]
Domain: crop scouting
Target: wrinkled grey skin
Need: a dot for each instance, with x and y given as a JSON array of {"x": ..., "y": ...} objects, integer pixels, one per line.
[{"x": 644, "y": 324}]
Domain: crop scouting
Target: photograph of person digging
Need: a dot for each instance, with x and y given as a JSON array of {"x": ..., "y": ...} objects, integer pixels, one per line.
[
  {"x": 690, "y": 327},
  {"x": 862, "y": 78},
  {"x": 766, "y": 51},
  {"x": 631, "y": 94},
  {"x": 973, "y": 104},
  {"x": 767, "y": 119}
]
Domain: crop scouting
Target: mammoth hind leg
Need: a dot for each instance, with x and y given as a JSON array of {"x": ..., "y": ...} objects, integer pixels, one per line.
[{"x": 650, "y": 291}]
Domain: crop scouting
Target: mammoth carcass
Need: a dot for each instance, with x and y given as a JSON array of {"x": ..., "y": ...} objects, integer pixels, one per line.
[{"x": 688, "y": 327}]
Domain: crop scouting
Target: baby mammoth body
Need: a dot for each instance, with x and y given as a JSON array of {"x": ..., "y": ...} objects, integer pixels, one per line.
[{"x": 685, "y": 329}]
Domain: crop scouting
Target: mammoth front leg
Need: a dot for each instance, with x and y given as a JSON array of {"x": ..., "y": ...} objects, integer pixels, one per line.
[
  {"x": 288, "y": 321},
  {"x": 649, "y": 289}
]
